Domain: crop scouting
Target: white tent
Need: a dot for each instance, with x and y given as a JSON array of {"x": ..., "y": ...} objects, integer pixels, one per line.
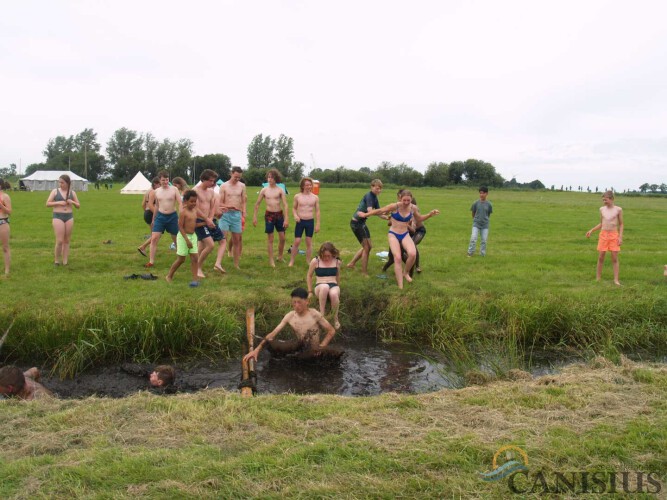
[
  {"x": 138, "y": 185},
  {"x": 45, "y": 180}
]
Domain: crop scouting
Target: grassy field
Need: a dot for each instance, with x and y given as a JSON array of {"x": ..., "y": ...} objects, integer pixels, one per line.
[{"x": 535, "y": 289}]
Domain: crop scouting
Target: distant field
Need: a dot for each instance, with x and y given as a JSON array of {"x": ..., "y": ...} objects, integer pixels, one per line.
[{"x": 537, "y": 255}]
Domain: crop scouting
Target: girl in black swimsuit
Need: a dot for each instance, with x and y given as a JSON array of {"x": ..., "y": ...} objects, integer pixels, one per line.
[{"x": 326, "y": 268}]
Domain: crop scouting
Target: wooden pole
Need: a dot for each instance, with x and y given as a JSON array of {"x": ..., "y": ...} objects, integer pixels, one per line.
[{"x": 248, "y": 368}]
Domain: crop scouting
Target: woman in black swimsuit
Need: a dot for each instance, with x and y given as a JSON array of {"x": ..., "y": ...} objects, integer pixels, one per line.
[
  {"x": 62, "y": 199},
  {"x": 326, "y": 267}
]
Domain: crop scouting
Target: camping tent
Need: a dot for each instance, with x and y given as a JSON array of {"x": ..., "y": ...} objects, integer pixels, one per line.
[
  {"x": 45, "y": 180},
  {"x": 138, "y": 185}
]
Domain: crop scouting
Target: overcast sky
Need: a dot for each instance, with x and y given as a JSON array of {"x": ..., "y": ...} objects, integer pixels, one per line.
[{"x": 568, "y": 92}]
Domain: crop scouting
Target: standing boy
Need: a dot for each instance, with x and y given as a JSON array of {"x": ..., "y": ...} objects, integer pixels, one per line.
[
  {"x": 358, "y": 225},
  {"x": 611, "y": 234},
  {"x": 208, "y": 232},
  {"x": 481, "y": 211},
  {"x": 275, "y": 217},
  {"x": 186, "y": 241},
  {"x": 305, "y": 204},
  {"x": 232, "y": 205},
  {"x": 167, "y": 201}
]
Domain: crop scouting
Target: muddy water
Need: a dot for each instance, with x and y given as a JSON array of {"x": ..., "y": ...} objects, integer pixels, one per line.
[{"x": 367, "y": 368}]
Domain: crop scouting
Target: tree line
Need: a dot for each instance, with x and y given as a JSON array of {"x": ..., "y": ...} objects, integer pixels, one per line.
[{"x": 128, "y": 152}]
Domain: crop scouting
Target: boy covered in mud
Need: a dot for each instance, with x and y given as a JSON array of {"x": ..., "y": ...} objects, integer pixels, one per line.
[
  {"x": 22, "y": 385},
  {"x": 306, "y": 324},
  {"x": 186, "y": 240},
  {"x": 162, "y": 379}
]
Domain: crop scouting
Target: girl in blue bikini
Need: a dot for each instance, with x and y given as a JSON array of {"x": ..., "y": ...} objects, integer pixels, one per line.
[
  {"x": 402, "y": 214},
  {"x": 62, "y": 199}
]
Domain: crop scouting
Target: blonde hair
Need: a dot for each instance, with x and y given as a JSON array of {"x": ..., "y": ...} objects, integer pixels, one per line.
[
  {"x": 376, "y": 182},
  {"x": 608, "y": 194}
]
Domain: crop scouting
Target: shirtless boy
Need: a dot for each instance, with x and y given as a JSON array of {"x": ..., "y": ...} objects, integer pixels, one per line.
[
  {"x": 306, "y": 324},
  {"x": 232, "y": 205},
  {"x": 275, "y": 217},
  {"x": 186, "y": 241},
  {"x": 22, "y": 385},
  {"x": 147, "y": 204},
  {"x": 305, "y": 204},
  {"x": 209, "y": 232},
  {"x": 611, "y": 234},
  {"x": 167, "y": 200}
]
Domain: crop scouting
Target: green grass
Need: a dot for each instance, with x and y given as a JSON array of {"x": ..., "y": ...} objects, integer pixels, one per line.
[{"x": 535, "y": 289}]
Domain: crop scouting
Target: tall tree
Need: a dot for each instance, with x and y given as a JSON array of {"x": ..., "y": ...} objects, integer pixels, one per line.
[
  {"x": 437, "y": 174},
  {"x": 125, "y": 153},
  {"x": 219, "y": 163},
  {"x": 283, "y": 154},
  {"x": 260, "y": 152}
]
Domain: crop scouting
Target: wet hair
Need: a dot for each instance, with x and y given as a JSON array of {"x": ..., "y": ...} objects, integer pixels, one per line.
[
  {"x": 155, "y": 181},
  {"x": 163, "y": 173},
  {"x": 300, "y": 293},
  {"x": 166, "y": 374},
  {"x": 67, "y": 180},
  {"x": 190, "y": 193},
  {"x": 207, "y": 175},
  {"x": 180, "y": 183},
  {"x": 237, "y": 169},
  {"x": 11, "y": 375},
  {"x": 608, "y": 194},
  {"x": 327, "y": 246},
  {"x": 303, "y": 183},
  {"x": 406, "y": 192},
  {"x": 275, "y": 173},
  {"x": 376, "y": 182},
  {"x": 483, "y": 189}
]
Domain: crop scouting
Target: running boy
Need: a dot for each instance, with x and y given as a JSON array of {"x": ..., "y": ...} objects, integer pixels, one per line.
[
  {"x": 481, "y": 211},
  {"x": 611, "y": 234},
  {"x": 358, "y": 225},
  {"x": 275, "y": 217},
  {"x": 186, "y": 240},
  {"x": 306, "y": 324},
  {"x": 304, "y": 205}
]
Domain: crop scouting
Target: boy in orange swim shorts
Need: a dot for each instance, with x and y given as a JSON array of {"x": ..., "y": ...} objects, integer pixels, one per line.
[{"x": 611, "y": 234}]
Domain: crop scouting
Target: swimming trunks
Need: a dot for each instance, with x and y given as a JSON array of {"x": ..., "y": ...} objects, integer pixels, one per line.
[
  {"x": 4, "y": 221},
  {"x": 182, "y": 247},
  {"x": 148, "y": 217},
  {"x": 274, "y": 220},
  {"x": 166, "y": 222},
  {"x": 360, "y": 230},
  {"x": 231, "y": 221},
  {"x": 608, "y": 241},
  {"x": 307, "y": 225},
  {"x": 399, "y": 237},
  {"x": 204, "y": 231},
  {"x": 63, "y": 216}
]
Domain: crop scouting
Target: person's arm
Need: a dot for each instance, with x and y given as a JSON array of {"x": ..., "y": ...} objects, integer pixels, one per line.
[
  {"x": 211, "y": 210},
  {"x": 6, "y": 204},
  {"x": 309, "y": 276},
  {"x": 378, "y": 211},
  {"x": 588, "y": 233},
  {"x": 317, "y": 214},
  {"x": 254, "y": 213},
  {"x": 295, "y": 207},
  {"x": 338, "y": 263},
  {"x": 33, "y": 373},
  {"x": 144, "y": 202},
  {"x": 283, "y": 197},
  {"x": 330, "y": 331},
  {"x": 74, "y": 201},
  {"x": 620, "y": 226},
  {"x": 50, "y": 202},
  {"x": 255, "y": 352},
  {"x": 244, "y": 198},
  {"x": 177, "y": 196},
  {"x": 421, "y": 218}
]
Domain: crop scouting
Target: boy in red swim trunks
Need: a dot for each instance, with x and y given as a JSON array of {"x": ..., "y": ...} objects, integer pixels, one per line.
[{"x": 611, "y": 234}]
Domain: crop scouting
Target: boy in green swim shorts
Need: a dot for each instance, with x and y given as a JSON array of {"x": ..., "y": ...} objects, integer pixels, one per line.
[{"x": 186, "y": 240}]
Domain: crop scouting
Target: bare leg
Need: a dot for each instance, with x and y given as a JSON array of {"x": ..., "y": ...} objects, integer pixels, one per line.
[
  {"x": 4, "y": 239},
  {"x": 218, "y": 258},
  {"x": 309, "y": 248},
  {"x": 598, "y": 273},
  {"x": 155, "y": 238},
  {"x": 356, "y": 257},
  {"x": 236, "y": 248},
  {"x": 281, "y": 245},
  {"x": 322, "y": 292},
  {"x": 269, "y": 249},
  {"x": 615, "y": 265},
  {"x": 334, "y": 297},
  {"x": 205, "y": 247},
  {"x": 295, "y": 251},
  {"x": 411, "y": 251},
  {"x": 395, "y": 247},
  {"x": 177, "y": 263},
  {"x": 67, "y": 236},
  {"x": 367, "y": 246},
  {"x": 59, "y": 231},
  {"x": 194, "y": 265}
]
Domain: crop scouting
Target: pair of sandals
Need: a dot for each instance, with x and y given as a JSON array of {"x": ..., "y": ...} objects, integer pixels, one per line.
[{"x": 147, "y": 276}]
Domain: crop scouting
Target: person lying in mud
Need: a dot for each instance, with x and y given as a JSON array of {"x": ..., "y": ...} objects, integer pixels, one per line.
[
  {"x": 22, "y": 385},
  {"x": 161, "y": 379},
  {"x": 306, "y": 324}
]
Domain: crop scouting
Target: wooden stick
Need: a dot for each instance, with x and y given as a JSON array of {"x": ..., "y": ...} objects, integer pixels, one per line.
[
  {"x": 249, "y": 367},
  {"x": 4, "y": 337}
]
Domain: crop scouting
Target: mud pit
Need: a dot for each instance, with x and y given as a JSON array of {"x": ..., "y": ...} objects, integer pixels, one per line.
[{"x": 367, "y": 368}]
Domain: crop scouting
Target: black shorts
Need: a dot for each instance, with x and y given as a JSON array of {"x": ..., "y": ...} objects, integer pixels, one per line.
[
  {"x": 360, "y": 230},
  {"x": 148, "y": 217},
  {"x": 307, "y": 225},
  {"x": 204, "y": 232}
]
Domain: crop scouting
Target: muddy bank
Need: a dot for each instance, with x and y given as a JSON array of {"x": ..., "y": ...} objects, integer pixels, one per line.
[{"x": 368, "y": 367}]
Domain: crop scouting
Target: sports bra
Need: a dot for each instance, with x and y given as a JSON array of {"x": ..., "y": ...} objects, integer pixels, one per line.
[
  {"x": 321, "y": 272},
  {"x": 397, "y": 216}
]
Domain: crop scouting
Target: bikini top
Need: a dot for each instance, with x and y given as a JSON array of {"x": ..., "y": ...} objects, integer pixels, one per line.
[
  {"x": 321, "y": 272},
  {"x": 397, "y": 216},
  {"x": 59, "y": 197}
]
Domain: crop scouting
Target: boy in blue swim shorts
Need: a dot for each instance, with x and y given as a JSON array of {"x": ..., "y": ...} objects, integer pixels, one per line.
[{"x": 232, "y": 205}]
